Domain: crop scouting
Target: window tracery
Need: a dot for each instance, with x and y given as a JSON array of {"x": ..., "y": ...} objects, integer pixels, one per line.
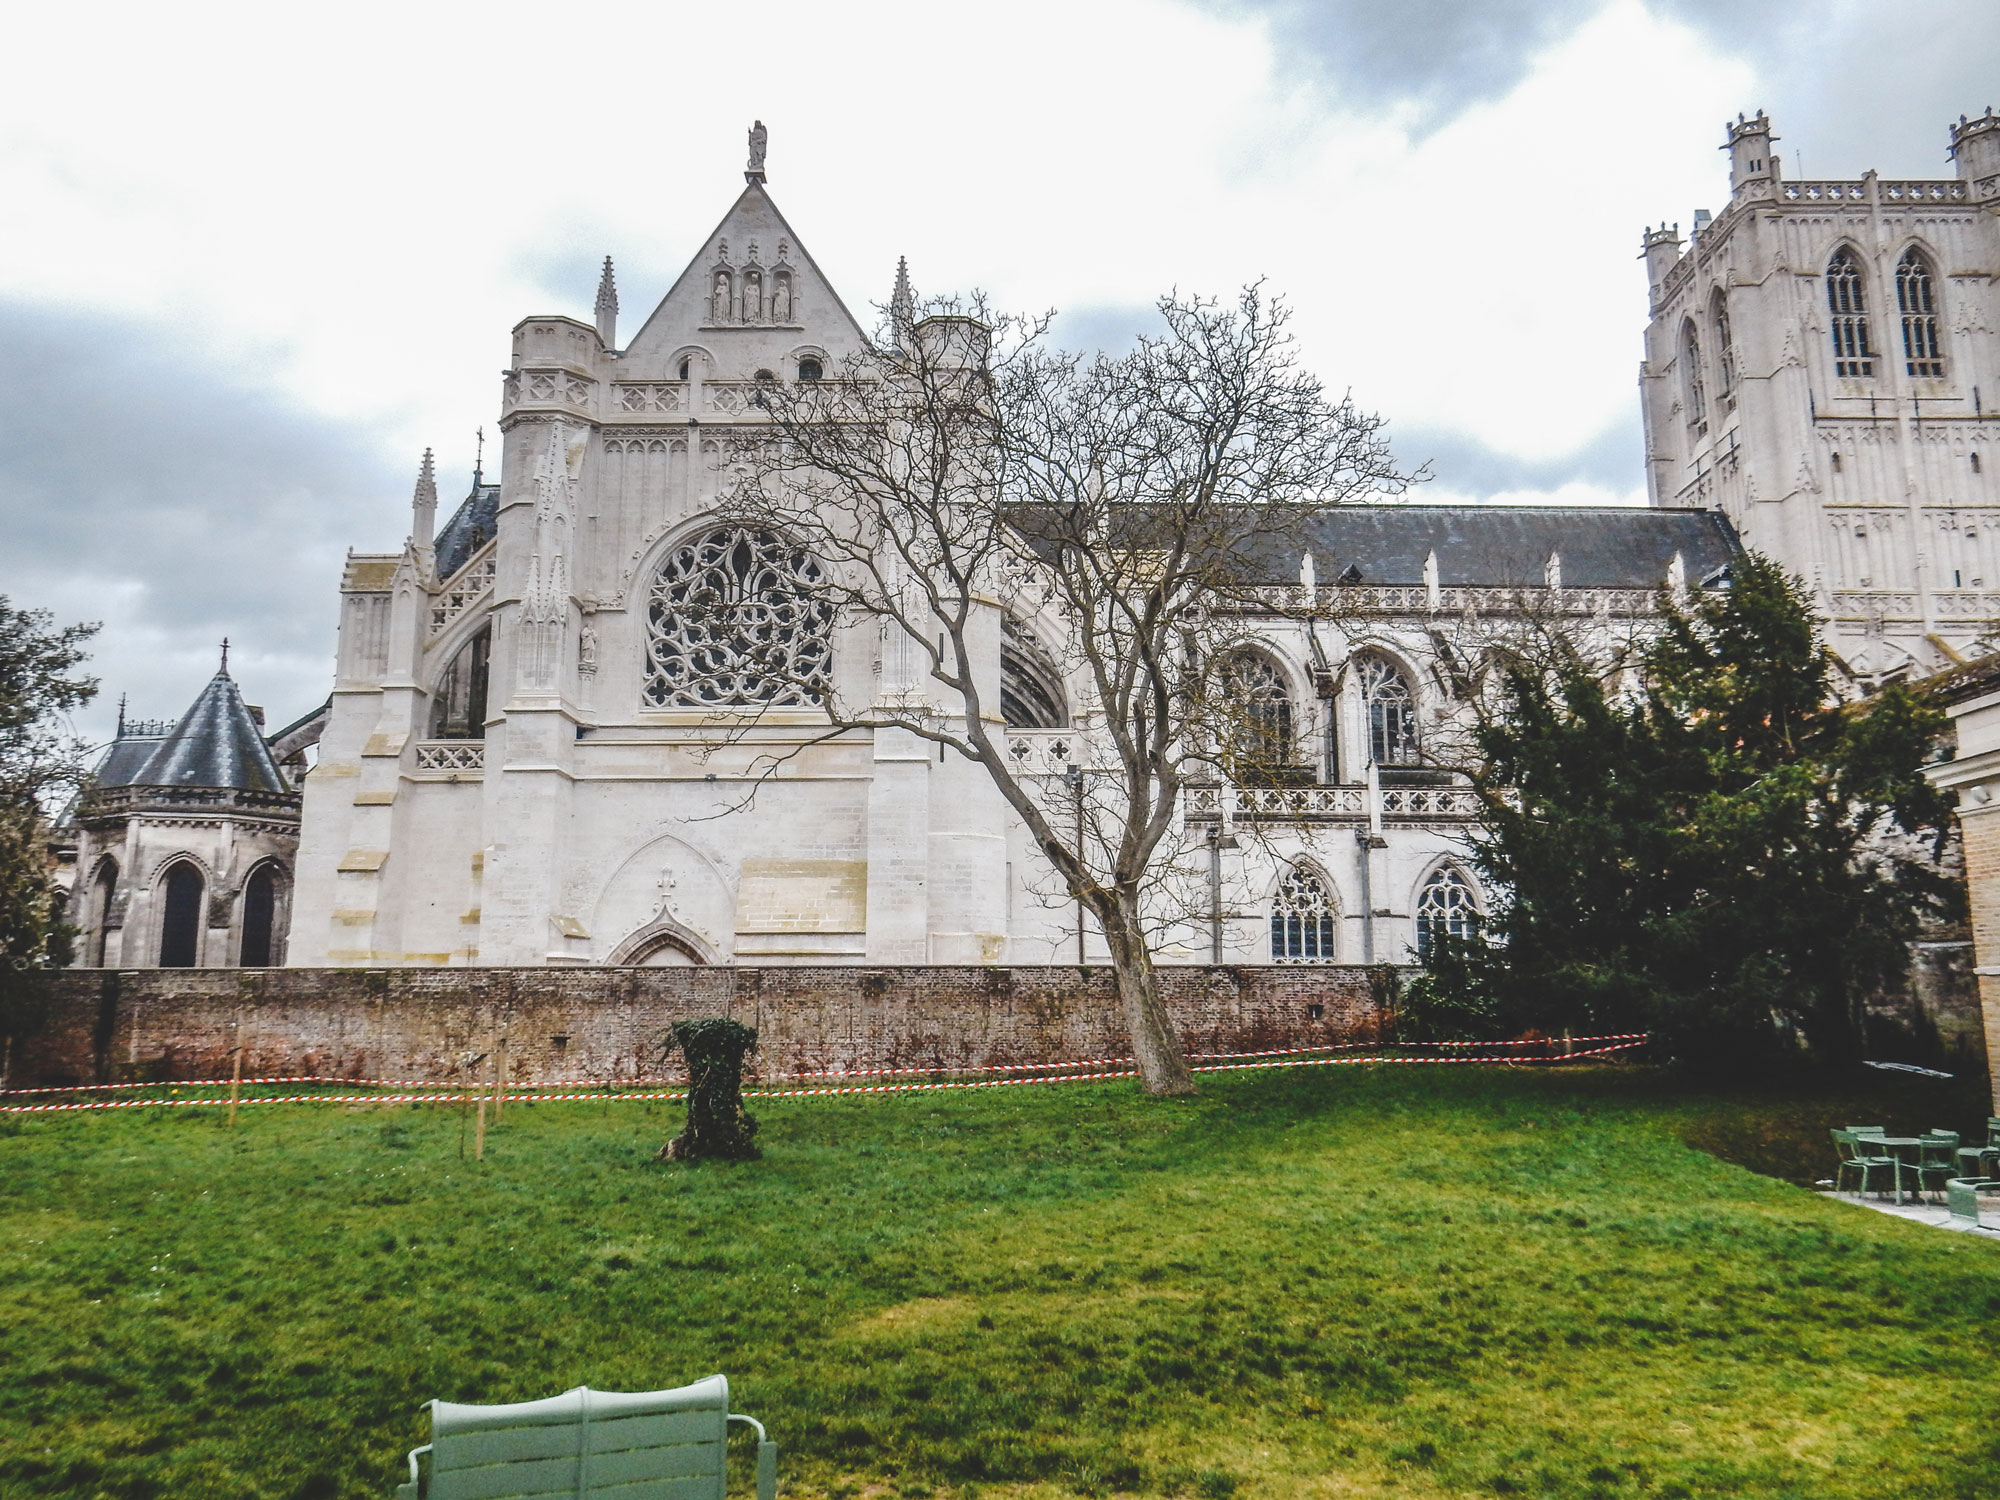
[
  {"x": 1446, "y": 907},
  {"x": 1725, "y": 354},
  {"x": 1302, "y": 919},
  {"x": 736, "y": 621},
  {"x": 1260, "y": 730},
  {"x": 1694, "y": 390},
  {"x": 1847, "y": 302},
  {"x": 1392, "y": 714},
  {"x": 1916, "y": 300}
]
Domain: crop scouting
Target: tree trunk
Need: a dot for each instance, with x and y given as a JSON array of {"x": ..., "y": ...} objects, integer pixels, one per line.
[{"x": 1156, "y": 1045}]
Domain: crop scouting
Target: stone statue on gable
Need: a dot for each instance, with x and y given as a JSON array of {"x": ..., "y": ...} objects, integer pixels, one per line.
[{"x": 758, "y": 136}]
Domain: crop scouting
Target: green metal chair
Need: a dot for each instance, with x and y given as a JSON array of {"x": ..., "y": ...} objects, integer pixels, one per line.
[
  {"x": 1975, "y": 1161},
  {"x": 1854, "y": 1159},
  {"x": 1937, "y": 1159},
  {"x": 663, "y": 1445},
  {"x": 1961, "y": 1196}
]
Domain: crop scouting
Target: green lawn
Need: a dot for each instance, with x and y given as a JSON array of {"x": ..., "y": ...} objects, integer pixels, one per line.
[{"x": 1348, "y": 1281}]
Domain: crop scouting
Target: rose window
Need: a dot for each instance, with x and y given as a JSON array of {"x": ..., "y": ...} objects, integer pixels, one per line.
[{"x": 736, "y": 620}]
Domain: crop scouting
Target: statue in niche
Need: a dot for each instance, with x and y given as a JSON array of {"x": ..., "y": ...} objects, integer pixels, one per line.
[
  {"x": 722, "y": 296},
  {"x": 758, "y": 136},
  {"x": 781, "y": 300},
  {"x": 586, "y": 652},
  {"x": 753, "y": 298}
]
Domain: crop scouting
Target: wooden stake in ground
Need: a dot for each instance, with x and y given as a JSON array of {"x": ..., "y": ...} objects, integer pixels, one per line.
[
  {"x": 479, "y": 1135},
  {"x": 235, "y": 1074},
  {"x": 500, "y": 1082}
]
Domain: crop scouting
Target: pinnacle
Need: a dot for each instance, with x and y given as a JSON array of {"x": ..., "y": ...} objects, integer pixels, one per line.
[
  {"x": 426, "y": 481},
  {"x": 607, "y": 289},
  {"x": 903, "y": 300}
]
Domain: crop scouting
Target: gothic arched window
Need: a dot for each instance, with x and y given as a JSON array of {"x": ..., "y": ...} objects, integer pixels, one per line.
[
  {"x": 810, "y": 370},
  {"x": 1446, "y": 907},
  {"x": 180, "y": 917},
  {"x": 260, "y": 911},
  {"x": 736, "y": 620},
  {"x": 1031, "y": 690},
  {"x": 1392, "y": 714},
  {"x": 1725, "y": 352},
  {"x": 1302, "y": 919},
  {"x": 1693, "y": 387},
  {"x": 104, "y": 890},
  {"x": 458, "y": 706},
  {"x": 1847, "y": 302},
  {"x": 1916, "y": 300},
  {"x": 1260, "y": 725}
]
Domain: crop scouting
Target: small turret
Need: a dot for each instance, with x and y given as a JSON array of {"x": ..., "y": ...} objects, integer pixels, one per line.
[
  {"x": 902, "y": 304},
  {"x": 424, "y": 506},
  {"x": 607, "y": 307},
  {"x": 1975, "y": 147},
  {"x": 1749, "y": 147},
  {"x": 1660, "y": 248}
]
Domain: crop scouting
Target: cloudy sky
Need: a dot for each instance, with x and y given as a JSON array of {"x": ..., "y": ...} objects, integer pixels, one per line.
[{"x": 255, "y": 258}]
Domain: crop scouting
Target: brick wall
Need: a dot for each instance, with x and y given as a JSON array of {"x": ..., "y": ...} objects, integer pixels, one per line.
[{"x": 104, "y": 1026}]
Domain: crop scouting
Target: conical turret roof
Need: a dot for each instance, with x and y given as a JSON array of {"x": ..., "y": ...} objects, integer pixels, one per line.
[{"x": 216, "y": 743}]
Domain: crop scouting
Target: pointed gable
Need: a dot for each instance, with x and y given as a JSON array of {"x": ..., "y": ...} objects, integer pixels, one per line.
[
  {"x": 752, "y": 298},
  {"x": 215, "y": 744}
]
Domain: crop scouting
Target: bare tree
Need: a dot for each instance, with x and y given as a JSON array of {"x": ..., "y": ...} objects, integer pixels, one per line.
[{"x": 1130, "y": 512}]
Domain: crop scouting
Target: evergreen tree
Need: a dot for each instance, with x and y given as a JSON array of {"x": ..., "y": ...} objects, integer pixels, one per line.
[
  {"x": 1711, "y": 854},
  {"x": 40, "y": 760}
]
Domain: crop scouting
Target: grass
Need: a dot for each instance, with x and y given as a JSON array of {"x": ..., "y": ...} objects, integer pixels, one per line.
[{"x": 1322, "y": 1283}]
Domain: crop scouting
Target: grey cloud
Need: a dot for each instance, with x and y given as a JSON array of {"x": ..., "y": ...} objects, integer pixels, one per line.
[
  {"x": 1614, "y": 458},
  {"x": 1111, "y": 327},
  {"x": 1852, "y": 86},
  {"x": 184, "y": 503},
  {"x": 1438, "y": 55}
]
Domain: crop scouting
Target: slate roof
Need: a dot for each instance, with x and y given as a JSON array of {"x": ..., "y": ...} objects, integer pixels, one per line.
[
  {"x": 471, "y": 527},
  {"x": 124, "y": 758},
  {"x": 217, "y": 744},
  {"x": 1501, "y": 546}
]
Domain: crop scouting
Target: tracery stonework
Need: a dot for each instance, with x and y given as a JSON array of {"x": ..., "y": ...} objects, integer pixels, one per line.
[{"x": 769, "y": 645}]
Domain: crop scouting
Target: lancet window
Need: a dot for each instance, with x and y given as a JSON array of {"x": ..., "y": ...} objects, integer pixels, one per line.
[
  {"x": 1392, "y": 714},
  {"x": 104, "y": 891},
  {"x": 1260, "y": 729},
  {"x": 458, "y": 706},
  {"x": 260, "y": 910},
  {"x": 1446, "y": 907},
  {"x": 1725, "y": 354},
  {"x": 1694, "y": 388},
  {"x": 1916, "y": 300},
  {"x": 180, "y": 917},
  {"x": 736, "y": 620},
  {"x": 1847, "y": 303},
  {"x": 1303, "y": 919}
]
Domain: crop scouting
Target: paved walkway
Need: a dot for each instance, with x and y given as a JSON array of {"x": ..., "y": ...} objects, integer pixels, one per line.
[{"x": 1933, "y": 1214}]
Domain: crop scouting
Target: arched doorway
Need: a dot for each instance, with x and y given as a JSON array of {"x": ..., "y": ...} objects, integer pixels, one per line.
[{"x": 180, "y": 919}]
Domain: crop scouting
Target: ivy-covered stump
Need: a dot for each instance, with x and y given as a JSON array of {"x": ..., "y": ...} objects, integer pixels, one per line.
[{"x": 717, "y": 1124}]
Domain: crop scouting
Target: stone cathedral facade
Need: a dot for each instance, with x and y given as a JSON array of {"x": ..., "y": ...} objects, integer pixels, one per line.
[
  {"x": 1818, "y": 366},
  {"x": 529, "y": 756}
]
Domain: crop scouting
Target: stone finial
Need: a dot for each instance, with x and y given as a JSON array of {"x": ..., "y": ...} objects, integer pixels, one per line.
[
  {"x": 902, "y": 303},
  {"x": 424, "y": 503},
  {"x": 607, "y": 306}
]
